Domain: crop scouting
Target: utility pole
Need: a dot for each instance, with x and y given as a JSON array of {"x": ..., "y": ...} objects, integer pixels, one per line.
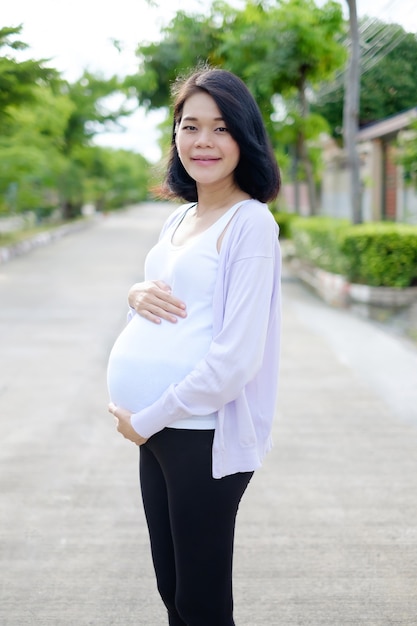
[{"x": 351, "y": 114}]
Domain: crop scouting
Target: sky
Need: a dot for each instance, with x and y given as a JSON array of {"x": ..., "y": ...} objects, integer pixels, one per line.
[{"x": 80, "y": 34}]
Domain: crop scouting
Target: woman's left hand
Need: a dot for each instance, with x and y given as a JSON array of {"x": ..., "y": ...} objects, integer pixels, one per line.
[{"x": 124, "y": 425}]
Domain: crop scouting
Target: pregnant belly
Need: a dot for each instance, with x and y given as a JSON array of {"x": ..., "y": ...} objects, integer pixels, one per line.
[
  {"x": 135, "y": 384},
  {"x": 145, "y": 360}
]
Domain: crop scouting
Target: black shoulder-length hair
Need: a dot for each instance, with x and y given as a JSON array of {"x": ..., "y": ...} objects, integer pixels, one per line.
[{"x": 257, "y": 172}]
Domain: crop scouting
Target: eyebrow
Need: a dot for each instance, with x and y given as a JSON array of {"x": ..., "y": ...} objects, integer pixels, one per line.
[{"x": 191, "y": 118}]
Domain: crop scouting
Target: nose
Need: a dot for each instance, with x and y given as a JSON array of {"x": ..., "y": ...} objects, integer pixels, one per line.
[{"x": 204, "y": 139}]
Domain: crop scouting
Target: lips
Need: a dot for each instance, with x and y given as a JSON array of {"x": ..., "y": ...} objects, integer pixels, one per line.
[{"x": 205, "y": 159}]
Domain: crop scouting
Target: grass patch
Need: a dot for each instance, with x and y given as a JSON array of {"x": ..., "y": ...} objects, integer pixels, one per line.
[{"x": 17, "y": 236}]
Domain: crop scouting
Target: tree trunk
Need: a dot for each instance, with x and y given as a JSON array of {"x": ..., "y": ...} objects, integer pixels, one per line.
[
  {"x": 351, "y": 114},
  {"x": 308, "y": 167},
  {"x": 294, "y": 177}
]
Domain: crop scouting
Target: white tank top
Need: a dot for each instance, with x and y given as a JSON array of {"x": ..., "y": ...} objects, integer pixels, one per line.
[{"x": 148, "y": 357}]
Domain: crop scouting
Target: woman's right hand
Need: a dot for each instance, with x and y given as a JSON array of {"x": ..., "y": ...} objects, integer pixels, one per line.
[{"x": 152, "y": 299}]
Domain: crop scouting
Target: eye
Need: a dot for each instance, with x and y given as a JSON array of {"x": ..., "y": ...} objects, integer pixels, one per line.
[
  {"x": 189, "y": 127},
  {"x": 222, "y": 129}
]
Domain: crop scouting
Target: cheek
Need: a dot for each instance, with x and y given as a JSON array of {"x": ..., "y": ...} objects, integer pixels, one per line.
[
  {"x": 234, "y": 154},
  {"x": 233, "y": 149},
  {"x": 182, "y": 145}
]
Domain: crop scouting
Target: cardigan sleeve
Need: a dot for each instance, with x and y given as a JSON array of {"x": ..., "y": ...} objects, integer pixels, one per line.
[{"x": 237, "y": 350}]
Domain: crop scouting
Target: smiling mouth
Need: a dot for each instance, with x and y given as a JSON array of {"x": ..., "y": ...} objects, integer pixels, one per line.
[{"x": 205, "y": 159}]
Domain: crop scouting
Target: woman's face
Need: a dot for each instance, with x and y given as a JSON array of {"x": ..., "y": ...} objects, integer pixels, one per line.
[{"x": 205, "y": 146}]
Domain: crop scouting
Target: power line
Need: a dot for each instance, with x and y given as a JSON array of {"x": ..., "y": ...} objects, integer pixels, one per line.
[{"x": 376, "y": 44}]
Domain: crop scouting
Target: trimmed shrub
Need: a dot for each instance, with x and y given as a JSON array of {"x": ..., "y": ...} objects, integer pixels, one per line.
[
  {"x": 284, "y": 221},
  {"x": 381, "y": 254},
  {"x": 317, "y": 241}
]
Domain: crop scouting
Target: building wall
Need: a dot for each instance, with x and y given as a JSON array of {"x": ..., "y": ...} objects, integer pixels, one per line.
[
  {"x": 335, "y": 193},
  {"x": 287, "y": 199},
  {"x": 406, "y": 201},
  {"x": 390, "y": 183},
  {"x": 384, "y": 194}
]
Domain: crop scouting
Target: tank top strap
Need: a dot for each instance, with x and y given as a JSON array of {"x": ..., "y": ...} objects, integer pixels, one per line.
[{"x": 218, "y": 227}]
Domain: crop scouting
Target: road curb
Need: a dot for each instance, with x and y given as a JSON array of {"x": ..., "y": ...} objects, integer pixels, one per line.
[{"x": 7, "y": 253}]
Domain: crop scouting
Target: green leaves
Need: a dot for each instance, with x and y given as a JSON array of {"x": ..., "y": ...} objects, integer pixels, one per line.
[
  {"x": 47, "y": 125},
  {"x": 18, "y": 80},
  {"x": 381, "y": 254},
  {"x": 378, "y": 254},
  {"x": 407, "y": 155},
  {"x": 388, "y": 76},
  {"x": 317, "y": 240},
  {"x": 278, "y": 48}
]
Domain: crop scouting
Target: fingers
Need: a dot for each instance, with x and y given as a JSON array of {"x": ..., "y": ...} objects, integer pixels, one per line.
[
  {"x": 154, "y": 301},
  {"x": 123, "y": 425},
  {"x": 117, "y": 419},
  {"x": 162, "y": 285},
  {"x": 158, "y": 310},
  {"x": 161, "y": 297}
]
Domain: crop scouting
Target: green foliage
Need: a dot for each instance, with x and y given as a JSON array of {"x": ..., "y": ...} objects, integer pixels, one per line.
[
  {"x": 381, "y": 254},
  {"x": 276, "y": 48},
  {"x": 317, "y": 241},
  {"x": 407, "y": 154},
  {"x": 284, "y": 221},
  {"x": 18, "y": 80},
  {"x": 306, "y": 46},
  {"x": 90, "y": 113},
  {"x": 187, "y": 41},
  {"x": 388, "y": 87},
  {"x": 116, "y": 178},
  {"x": 25, "y": 176},
  {"x": 47, "y": 159},
  {"x": 30, "y": 153},
  {"x": 378, "y": 254},
  {"x": 391, "y": 84}
]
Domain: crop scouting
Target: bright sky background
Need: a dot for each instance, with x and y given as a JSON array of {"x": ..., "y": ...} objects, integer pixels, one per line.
[{"x": 78, "y": 34}]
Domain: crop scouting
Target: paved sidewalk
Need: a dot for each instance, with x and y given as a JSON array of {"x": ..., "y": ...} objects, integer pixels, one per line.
[
  {"x": 327, "y": 532},
  {"x": 329, "y": 535}
]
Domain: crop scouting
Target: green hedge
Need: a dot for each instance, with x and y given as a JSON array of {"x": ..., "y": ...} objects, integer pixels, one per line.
[
  {"x": 376, "y": 254},
  {"x": 317, "y": 240},
  {"x": 284, "y": 221},
  {"x": 381, "y": 254}
]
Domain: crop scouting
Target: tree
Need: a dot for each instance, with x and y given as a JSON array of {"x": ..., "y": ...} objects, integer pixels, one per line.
[
  {"x": 115, "y": 178},
  {"x": 277, "y": 50},
  {"x": 90, "y": 115},
  {"x": 307, "y": 51},
  {"x": 31, "y": 158},
  {"x": 91, "y": 112},
  {"x": 388, "y": 81},
  {"x": 47, "y": 158},
  {"x": 187, "y": 41},
  {"x": 18, "y": 80},
  {"x": 47, "y": 126}
]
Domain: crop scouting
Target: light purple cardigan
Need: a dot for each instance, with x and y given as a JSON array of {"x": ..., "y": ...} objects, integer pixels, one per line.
[{"x": 239, "y": 375}]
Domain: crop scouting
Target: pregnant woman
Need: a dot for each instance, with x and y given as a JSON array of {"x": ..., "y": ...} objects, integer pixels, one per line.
[{"x": 193, "y": 377}]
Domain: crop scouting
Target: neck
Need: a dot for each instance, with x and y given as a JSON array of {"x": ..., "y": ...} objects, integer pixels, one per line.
[{"x": 217, "y": 199}]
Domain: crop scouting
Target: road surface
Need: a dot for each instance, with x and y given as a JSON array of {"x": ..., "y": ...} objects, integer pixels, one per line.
[{"x": 327, "y": 532}]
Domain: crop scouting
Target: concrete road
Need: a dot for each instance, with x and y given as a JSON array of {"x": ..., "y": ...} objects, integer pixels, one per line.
[{"x": 327, "y": 534}]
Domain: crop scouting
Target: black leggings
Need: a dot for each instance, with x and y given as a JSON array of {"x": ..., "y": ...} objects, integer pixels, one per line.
[{"x": 191, "y": 520}]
